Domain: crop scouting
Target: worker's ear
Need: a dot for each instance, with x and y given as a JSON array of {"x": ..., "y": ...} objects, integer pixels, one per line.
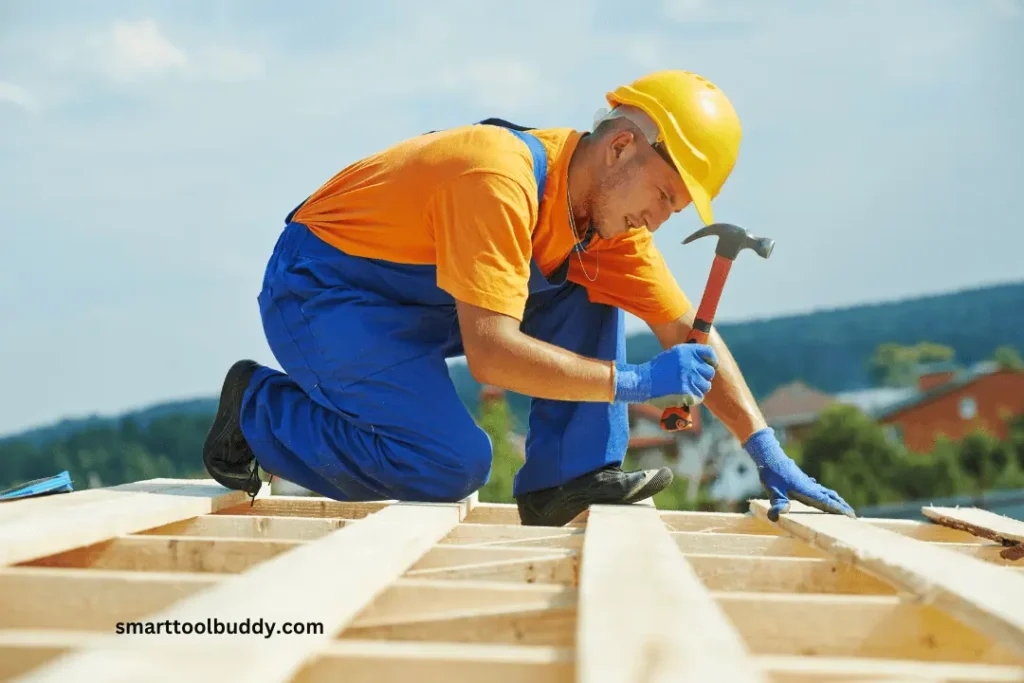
[{"x": 622, "y": 147}]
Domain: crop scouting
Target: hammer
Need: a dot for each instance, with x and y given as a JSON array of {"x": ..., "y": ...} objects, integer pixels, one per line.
[{"x": 731, "y": 240}]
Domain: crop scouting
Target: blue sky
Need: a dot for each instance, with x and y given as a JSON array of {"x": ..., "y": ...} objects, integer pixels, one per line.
[{"x": 149, "y": 151}]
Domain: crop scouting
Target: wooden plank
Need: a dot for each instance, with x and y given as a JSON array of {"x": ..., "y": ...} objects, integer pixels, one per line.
[
  {"x": 989, "y": 552},
  {"x": 449, "y": 556},
  {"x": 251, "y": 526},
  {"x": 543, "y": 625},
  {"x": 89, "y": 599},
  {"x": 717, "y": 523},
  {"x": 785, "y": 575},
  {"x": 639, "y": 600},
  {"x": 327, "y": 581},
  {"x": 514, "y": 536},
  {"x": 124, "y": 509},
  {"x": 750, "y": 545},
  {"x": 857, "y": 626},
  {"x": 984, "y": 595},
  {"x": 563, "y": 569},
  {"x": 307, "y": 506},
  {"x": 171, "y": 554},
  {"x": 350, "y": 661},
  {"x": 21, "y": 651},
  {"x": 795, "y": 669},
  {"x": 984, "y": 524},
  {"x": 507, "y": 514},
  {"x": 418, "y": 600},
  {"x": 922, "y": 531},
  {"x": 384, "y": 662}
]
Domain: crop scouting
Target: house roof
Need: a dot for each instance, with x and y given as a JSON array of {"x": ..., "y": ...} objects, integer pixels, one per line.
[
  {"x": 873, "y": 401},
  {"x": 794, "y": 403},
  {"x": 920, "y": 398}
]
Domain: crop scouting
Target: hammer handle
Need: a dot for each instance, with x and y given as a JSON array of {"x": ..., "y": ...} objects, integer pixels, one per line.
[{"x": 677, "y": 418}]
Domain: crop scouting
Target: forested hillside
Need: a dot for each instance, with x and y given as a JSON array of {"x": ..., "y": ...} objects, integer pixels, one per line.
[{"x": 829, "y": 350}]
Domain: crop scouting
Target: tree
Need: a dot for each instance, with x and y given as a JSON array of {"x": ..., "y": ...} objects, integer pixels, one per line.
[
  {"x": 1008, "y": 358},
  {"x": 495, "y": 419},
  {"x": 847, "y": 451},
  {"x": 895, "y": 365}
]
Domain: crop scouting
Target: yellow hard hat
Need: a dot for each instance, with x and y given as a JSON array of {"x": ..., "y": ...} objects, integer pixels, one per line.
[{"x": 697, "y": 125}]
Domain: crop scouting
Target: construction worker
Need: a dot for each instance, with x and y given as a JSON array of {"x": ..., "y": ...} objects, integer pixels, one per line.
[{"x": 520, "y": 249}]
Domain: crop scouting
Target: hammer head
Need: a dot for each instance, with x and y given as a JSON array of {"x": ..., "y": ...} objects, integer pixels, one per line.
[{"x": 732, "y": 239}]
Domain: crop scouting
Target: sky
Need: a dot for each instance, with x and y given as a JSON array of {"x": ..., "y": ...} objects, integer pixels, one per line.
[{"x": 149, "y": 152}]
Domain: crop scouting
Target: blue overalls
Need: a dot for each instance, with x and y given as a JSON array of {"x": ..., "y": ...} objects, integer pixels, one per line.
[{"x": 365, "y": 408}]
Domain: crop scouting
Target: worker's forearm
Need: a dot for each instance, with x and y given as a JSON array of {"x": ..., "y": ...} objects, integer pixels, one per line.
[
  {"x": 528, "y": 366},
  {"x": 730, "y": 400}
]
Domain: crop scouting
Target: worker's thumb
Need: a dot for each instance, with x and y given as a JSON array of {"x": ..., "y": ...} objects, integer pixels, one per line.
[{"x": 780, "y": 504}]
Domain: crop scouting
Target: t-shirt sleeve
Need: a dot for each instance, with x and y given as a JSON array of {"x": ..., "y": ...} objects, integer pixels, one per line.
[
  {"x": 482, "y": 226},
  {"x": 631, "y": 274}
]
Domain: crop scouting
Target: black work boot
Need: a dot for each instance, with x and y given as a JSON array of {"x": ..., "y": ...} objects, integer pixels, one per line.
[
  {"x": 609, "y": 485},
  {"x": 226, "y": 454}
]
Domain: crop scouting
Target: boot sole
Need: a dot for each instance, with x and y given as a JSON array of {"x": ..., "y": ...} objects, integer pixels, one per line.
[{"x": 226, "y": 420}]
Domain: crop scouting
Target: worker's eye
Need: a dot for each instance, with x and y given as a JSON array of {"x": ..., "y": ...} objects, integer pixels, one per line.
[{"x": 664, "y": 195}]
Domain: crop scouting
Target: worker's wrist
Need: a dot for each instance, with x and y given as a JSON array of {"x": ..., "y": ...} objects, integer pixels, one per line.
[
  {"x": 763, "y": 447},
  {"x": 632, "y": 383}
]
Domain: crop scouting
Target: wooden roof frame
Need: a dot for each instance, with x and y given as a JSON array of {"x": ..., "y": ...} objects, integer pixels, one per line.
[{"x": 462, "y": 592}]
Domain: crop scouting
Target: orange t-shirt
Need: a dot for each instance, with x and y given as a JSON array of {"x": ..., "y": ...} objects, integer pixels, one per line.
[{"x": 465, "y": 201}]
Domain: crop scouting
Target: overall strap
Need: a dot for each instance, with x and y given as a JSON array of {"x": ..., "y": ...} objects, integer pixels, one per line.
[{"x": 540, "y": 159}]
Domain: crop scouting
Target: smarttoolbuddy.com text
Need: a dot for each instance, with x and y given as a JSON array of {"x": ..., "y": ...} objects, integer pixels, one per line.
[{"x": 216, "y": 627}]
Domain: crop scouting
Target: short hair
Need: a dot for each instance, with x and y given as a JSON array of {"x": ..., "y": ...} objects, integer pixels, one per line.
[{"x": 638, "y": 117}]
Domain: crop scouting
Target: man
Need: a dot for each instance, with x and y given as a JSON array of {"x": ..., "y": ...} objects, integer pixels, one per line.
[{"x": 520, "y": 249}]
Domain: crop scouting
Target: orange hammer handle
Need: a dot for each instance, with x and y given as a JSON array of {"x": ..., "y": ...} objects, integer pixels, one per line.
[{"x": 677, "y": 418}]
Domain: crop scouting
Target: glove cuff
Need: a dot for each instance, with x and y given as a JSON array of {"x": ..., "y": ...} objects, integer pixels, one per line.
[
  {"x": 632, "y": 383},
  {"x": 763, "y": 446}
]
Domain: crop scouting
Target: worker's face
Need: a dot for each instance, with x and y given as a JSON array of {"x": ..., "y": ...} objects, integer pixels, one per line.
[{"x": 638, "y": 188}]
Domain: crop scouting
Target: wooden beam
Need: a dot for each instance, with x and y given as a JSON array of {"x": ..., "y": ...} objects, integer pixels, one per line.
[
  {"x": 384, "y": 662},
  {"x": 251, "y": 526},
  {"x": 507, "y": 514},
  {"x": 418, "y": 600},
  {"x": 785, "y": 574},
  {"x": 307, "y": 506},
  {"x": 328, "y": 581},
  {"x": 639, "y": 600},
  {"x": 89, "y": 599},
  {"x": 989, "y": 552},
  {"x": 21, "y": 651},
  {"x": 171, "y": 554},
  {"x": 984, "y": 595},
  {"x": 717, "y": 523},
  {"x": 984, "y": 524},
  {"x": 350, "y": 661},
  {"x": 750, "y": 545},
  {"x": 794, "y": 669},
  {"x": 857, "y": 626},
  {"x": 922, "y": 531},
  {"x": 552, "y": 624},
  {"x": 71, "y": 520},
  {"x": 548, "y": 565},
  {"x": 515, "y": 536}
]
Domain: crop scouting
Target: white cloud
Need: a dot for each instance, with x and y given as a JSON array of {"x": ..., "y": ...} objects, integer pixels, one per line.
[
  {"x": 135, "y": 49},
  {"x": 18, "y": 96}
]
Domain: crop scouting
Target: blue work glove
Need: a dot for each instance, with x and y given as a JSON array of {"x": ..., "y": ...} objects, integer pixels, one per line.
[
  {"x": 685, "y": 370},
  {"x": 784, "y": 479}
]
